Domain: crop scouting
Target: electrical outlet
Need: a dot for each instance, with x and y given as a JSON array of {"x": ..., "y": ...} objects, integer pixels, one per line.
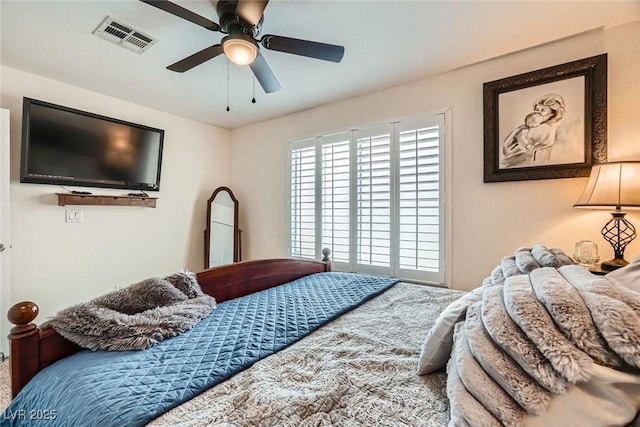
[{"x": 73, "y": 216}]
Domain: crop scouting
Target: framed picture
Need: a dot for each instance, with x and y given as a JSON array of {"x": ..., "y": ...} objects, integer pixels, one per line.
[{"x": 549, "y": 123}]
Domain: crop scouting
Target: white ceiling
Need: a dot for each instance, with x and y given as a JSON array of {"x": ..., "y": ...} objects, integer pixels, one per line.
[{"x": 386, "y": 43}]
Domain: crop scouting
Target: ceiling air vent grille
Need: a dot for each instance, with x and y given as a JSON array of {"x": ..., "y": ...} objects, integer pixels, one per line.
[{"x": 123, "y": 35}]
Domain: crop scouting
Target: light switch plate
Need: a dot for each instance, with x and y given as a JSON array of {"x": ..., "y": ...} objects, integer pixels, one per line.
[{"x": 73, "y": 216}]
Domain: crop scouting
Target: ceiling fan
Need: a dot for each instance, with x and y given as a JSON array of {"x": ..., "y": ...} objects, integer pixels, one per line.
[{"x": 241, "y": 21}]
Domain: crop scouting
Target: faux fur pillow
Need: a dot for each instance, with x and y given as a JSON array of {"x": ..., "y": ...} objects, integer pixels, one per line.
[
  {"x": 439, "y": 342},
  {"x": 136, "y": 317}
]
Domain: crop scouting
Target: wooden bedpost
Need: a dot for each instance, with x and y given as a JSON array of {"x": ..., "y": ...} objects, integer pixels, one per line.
[{"x": 25, "y": 345}]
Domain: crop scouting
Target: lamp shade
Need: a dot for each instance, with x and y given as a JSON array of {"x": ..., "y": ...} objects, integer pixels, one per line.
[{"x": 612, "y": 184}]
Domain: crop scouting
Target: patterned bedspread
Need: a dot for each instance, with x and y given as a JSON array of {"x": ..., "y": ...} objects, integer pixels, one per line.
[{"x": 358, "y": 370}]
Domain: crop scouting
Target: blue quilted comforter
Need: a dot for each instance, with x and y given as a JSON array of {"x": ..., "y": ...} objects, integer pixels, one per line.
[{"x": 132, "y": 388}]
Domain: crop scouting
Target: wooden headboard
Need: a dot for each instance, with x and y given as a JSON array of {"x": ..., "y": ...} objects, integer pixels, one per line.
[{"x": 33, "y": 349}]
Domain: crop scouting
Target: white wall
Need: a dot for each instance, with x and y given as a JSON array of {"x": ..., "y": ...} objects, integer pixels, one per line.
[
  {"x": 55, "y": 263},
  {"x": 5, "y": 231},
  {"x": 489, "y": 221}
]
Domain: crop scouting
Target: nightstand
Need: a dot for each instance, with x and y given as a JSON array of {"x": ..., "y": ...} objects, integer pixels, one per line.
[{"x": 599, "y": 271}]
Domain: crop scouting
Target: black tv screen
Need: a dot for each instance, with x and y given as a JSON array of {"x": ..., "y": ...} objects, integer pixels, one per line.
[{"x": 61, "y": 145}]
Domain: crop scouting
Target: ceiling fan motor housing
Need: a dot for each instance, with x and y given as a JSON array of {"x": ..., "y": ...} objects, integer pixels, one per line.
[{"x": 232, "y": 23}]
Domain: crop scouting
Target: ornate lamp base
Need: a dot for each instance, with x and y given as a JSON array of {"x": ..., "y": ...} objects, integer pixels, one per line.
[
  {"x": 613, "y": 264},
  {"x": 619, "y": 232}
]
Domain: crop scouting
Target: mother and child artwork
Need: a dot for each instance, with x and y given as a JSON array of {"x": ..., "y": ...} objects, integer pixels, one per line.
[{"x": 542, "y": 125}]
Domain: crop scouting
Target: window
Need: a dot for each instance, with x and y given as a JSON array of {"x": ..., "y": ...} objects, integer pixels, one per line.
[{"x": 374, "y": 196}]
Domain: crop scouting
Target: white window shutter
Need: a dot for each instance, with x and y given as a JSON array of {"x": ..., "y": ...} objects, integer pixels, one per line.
[
  {"x": 420, "y": 199},
  {"x": 335, "y": 196},
  {"x": 302, "y": 199},
  {"x": 373, "y": 199}
]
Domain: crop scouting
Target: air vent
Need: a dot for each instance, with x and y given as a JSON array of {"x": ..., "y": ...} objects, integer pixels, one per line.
[{"x": 123, "y": 35}]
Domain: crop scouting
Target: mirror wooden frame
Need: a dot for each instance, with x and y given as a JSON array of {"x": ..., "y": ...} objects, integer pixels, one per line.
[{"x": 236, "y": 230}]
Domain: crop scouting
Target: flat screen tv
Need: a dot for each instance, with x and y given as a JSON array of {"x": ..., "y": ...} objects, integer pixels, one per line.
[{"x": 64, "y": 146}]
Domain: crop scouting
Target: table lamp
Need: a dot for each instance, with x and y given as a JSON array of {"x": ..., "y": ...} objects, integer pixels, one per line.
[{"x": 614, "y": 184}]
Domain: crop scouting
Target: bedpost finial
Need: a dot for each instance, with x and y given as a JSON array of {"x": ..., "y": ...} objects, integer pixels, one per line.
[
  {"x": 23, "y": 313},
  {"x": 325, "y": 254}
]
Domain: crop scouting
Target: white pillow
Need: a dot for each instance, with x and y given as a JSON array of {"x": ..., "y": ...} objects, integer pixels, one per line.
[
  {"x": 436, "y": 349},
  {"x": 609, "y": 398},
  {"x": 627, "y": 276}
]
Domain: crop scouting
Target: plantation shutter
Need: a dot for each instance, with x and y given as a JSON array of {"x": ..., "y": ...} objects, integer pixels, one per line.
[
  {"x": 335, "y": 195},
  {"x": 373, "y": 199},
  {"x": 302, "y": 199},
  {"x": 420, "y": 199}
]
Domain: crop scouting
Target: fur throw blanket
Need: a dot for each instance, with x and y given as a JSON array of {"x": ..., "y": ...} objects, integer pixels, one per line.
[
  {"x": 136, "y": 317},
  {"x": 529, "y": 336}
]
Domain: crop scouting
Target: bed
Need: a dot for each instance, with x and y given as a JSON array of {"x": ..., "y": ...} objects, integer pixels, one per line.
[{"x": 358, "y": 366}]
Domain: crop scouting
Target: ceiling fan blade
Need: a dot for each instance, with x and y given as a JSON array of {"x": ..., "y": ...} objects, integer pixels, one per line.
[
  {"x": 196, "y": 59},
  {"x": 324, "y": 51},
  {"x": 183, "y": 13},
  {"x": 251, "y": 10},
  {"x": 265, "y": 76}
]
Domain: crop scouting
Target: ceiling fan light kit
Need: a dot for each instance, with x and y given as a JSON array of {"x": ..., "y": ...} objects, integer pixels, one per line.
[
  {"x": 241, "y": 21},
  {"x": 239, "y": 48}
]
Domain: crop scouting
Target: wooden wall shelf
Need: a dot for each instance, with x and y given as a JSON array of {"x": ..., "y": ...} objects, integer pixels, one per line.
[{"x": 104, "y": 200}]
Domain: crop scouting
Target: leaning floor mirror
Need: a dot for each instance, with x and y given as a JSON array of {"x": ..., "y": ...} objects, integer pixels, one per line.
[{"x": 222, "y": 236}]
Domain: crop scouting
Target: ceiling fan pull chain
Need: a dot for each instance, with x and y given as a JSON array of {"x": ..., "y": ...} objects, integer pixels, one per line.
[
  {"x": 253, "y": 80},
  {"x": 228, "y": 85}
]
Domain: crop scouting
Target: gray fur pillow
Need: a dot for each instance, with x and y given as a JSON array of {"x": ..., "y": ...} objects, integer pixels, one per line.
[{"x": 136, "y": 317}]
